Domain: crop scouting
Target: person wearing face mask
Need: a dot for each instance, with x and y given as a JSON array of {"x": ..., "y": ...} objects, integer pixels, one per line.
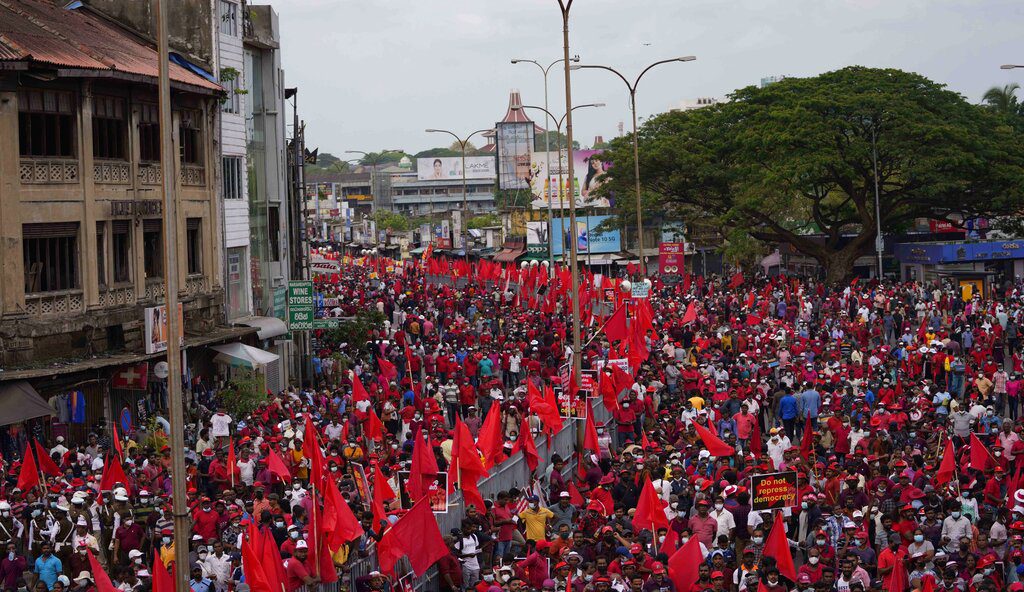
[
  {"x": 205, "y": 520},
  {"x": 129, "y": 537},
  {"x": 812, "y": 569},
  {"x": 954, "y": 527},
  {"x": 726, "y": 521},
  {"x": 772, "y": 581},
  {"x": 536, "y": 519},
  {"x": 12, "y": 568},
  {"x": 887, "y": 560}
]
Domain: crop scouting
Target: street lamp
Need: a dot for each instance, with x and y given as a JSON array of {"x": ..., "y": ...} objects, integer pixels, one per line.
[
  {"x": 1010, "y": 66},
  {"x": 636, "y": 140},
  {"x": 558, "y": 147},
  {"x": 547, "y": 150},
  {"x": 465, "y": 209}
]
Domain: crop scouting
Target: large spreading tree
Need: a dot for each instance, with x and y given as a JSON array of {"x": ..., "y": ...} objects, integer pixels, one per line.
[{"x": 793, "y": 162}]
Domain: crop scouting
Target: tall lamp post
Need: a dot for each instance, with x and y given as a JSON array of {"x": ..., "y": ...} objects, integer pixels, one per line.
[
  {"x": 636, "y": 141},
  {"x": 1010, "y": 66},
  {"x": 465, "y": 209},
  {"x": 547, "y": 149},
  {"x": 558, "y": 147}
]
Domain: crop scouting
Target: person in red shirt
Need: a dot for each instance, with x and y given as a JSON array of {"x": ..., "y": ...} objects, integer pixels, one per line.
[
  {"x": 205, "y": 520},
  {"x": 297, "y": 572}
]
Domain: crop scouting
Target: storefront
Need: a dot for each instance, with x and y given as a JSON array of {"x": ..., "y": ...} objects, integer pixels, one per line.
[{"x": 980, "y": 265}]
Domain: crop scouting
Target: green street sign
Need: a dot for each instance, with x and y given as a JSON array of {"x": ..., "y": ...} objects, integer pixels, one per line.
[
  {"x": 326, "y": 323},
  {"x": 300, "y": 318},
  {"x": 300, "y": 293}
]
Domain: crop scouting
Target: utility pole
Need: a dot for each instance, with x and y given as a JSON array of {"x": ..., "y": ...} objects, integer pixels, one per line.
[{"x": 174, "y": 329}]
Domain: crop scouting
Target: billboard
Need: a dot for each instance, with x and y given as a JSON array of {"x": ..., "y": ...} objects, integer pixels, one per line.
[
  {"x": 449, "y": 168},
  {"x": 537, "y": 237},
  {"x": 514, "y": 143},
  {"x": 671, "y": 257},
  {"x": 552, "y": 183},
  {"x": 156, "y": 330},
  {"x": 588, "y": 238}
]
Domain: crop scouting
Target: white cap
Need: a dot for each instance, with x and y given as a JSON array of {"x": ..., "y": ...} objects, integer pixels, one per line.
[
  {"x": 134, "y": 553},
  {"x": 301, "y": 545}
]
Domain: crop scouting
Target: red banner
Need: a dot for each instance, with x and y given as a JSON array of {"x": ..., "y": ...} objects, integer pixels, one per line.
[{"x": 670, "y": 258}]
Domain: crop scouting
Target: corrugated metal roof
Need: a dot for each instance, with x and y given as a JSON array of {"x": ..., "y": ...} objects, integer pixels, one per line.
[{"x": 41, "y": 32}]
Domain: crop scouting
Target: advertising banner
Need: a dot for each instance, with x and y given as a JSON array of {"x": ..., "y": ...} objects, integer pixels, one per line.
[
  {"x": 591, "y": 172},
  {"x": 771, "y": 491},
  {"x": 670, "y": 258},
  {"x": 537, "y": 237},
  {"x": 155, "y": 321},
  {"x": 552, "y": 183},
  {"x": 514, "y": 144},
  {"x": 449, "y": 168},
  {"x": 588, "y": 238},
  {"x": 570, "y": 407}
]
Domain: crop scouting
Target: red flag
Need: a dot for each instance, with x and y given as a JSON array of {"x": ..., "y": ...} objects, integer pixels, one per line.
[
  {"x": 46, "y": 464},
  {"x": 252, "y": 568},
  {"x": 545, "y": 407},
  {"x": 947, "y": 468},
  {"x": 606, "y": 386},
  {"x": 311, "y": 451},
  {"x": 163, "y": 580},
  {"x": 691, "y": 313},
  {"x": 489, "y": 438},
  {"x": 339, "y": 524},
  {"x": 755, "y": 440},
  {"x": 374, "y": 426},
  {"x": 590, "y": 432},
  {"x": 575, "y": 498},
  {"x": 753, "y": 319},
  {"x": 232, "y": 463},
  {"x": 277, "y": 466},
  {"x": 670, "y": 544},
  {"x": 358, "y": 392},
  {"x": 381, "y": 493},
  {"x": 776, "y": 546},
  {"x": 99, "y": 576},
  {"x": 113, "y": 473},
  {"x": 415, "y": 535},
  {"x": 807, "y": 442},
  {"x": 117, "y": 441},
  {"x": 650, "y": 509},
  {"x": 683, "y": 564},
  {"x": 900, "y": 582},
  {"x": 526, "y": 444},
  {"x": 615, "y": 328},
  {"x": 423, "y": 472},
  {"x": 712, "y": 442},
  {"x": 980, "y": 456},
  {"x": 387, "y": 369},
  {"x": 736, "y": 282},
  {"x": 29, "y": 475},
  {"x": 603, "y": 497}
]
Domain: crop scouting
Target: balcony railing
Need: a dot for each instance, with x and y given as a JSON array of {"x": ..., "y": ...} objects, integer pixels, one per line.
[
  {"x": 112, "y": 172},
  {"x": 48, "y": 170},
  {"x": 193, "y": 176},
  {"x": 43, "y": 304}
]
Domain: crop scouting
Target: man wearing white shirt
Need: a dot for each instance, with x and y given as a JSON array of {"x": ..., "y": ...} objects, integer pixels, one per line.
[
  {"x": 726, "y": 521},
  {"x": 220, "y": 424}
]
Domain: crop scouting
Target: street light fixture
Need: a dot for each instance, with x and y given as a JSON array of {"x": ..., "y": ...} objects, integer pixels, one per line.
[
  {"x": 636, "y": 141},
  {"x": 547, "y": 150},
  {"x": 1010, "y": 66},
  {"x": 465, "y": 210}
]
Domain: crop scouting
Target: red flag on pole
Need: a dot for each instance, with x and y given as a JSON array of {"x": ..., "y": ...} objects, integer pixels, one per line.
[
  {"x": 712, "y": 442},
  {"x": 276, "y": 466},
  {"x": 424, "y": 470},
  {"x": 683, "y": 564},
  {"x": 163, "y": 580},
  {"x": 387, "y": 369},
  {"x": 489, "y": 439},
  {"x": 615, "y": 328},
  {"x": 117, "y": 441},
  {"x": 311, "y": 451},
  {"x": 374, "y": 426},
  {"x": 980, "y": 456},
  {"x": 46, "y": 464},
  {"x": 807, "y": 442},
  {"x": 526, "y": 444},
  {"x": 691, "y": 313},
  {"x": 381, "y": 493},
  {"x": 415, "y": 535},
  {"x": 947, "y": 468},
  {"x": 590, "y": 432},
  {"x": 777, "y": 547},
  {"x": 232, "y": 463},
  {"x": 29, "y": 475},
  {"x": 113, "y": 473},
  {"x": 650, "y": 509},
  {"x": 99, "y": 576}
]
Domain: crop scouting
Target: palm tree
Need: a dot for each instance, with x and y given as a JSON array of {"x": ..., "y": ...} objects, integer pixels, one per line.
[{"x": 1003, "y": 100}]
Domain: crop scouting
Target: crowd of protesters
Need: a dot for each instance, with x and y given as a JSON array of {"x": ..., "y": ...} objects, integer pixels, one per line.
[{"x": 896, "y": 404}]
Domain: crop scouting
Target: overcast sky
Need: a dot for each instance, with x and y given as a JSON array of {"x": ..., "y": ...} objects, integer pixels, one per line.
[{"x": 373, "y": 74}]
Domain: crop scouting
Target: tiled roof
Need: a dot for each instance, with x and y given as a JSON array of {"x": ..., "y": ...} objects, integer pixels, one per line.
[{"x": 40, "y": 32}]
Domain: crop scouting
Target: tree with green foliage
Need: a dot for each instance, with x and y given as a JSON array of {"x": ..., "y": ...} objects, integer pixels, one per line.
[
  {"x": 382, "y": 158},
  {"x": 794, "y": 162},
  {"x": 388, "y": 220},
  {"x": 1003, "y": 100},
  {"x": 555, "y": 139},
  {"x": 484, "y": 221},
  {"x": 438, "y": 153}
]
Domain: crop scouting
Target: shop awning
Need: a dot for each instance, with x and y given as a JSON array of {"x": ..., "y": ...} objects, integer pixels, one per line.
[
  {"x": 20, "y": 402},
  {"x": 267, "y": 326},
  {"x": 508, "y": 255},
  {"x": 238, "y": 354}
]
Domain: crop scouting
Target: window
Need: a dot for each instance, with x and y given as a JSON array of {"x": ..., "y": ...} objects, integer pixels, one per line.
[
  {"x": 233, "y": 102},
  {"x": 274, "y": 232},
  {"x": 108, "y": 128},
  {"x": 101, "y": 259},
  {"x": 122, "y": 248},
  {"x": 149, "y": 133},
  {"x": 190, "y": 138},
  {"x": 228, "y": 18},
  {"x": 46, "y": 123},
  {"x": 153, "y": 248},
  {"x": 50, "y": 256},
  {"x": 193, "y": 236},
  {"x": 232, "y": 172}
]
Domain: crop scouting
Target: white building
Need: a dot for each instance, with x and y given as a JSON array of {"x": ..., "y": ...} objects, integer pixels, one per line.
[{"x": 697, "y": 103}]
